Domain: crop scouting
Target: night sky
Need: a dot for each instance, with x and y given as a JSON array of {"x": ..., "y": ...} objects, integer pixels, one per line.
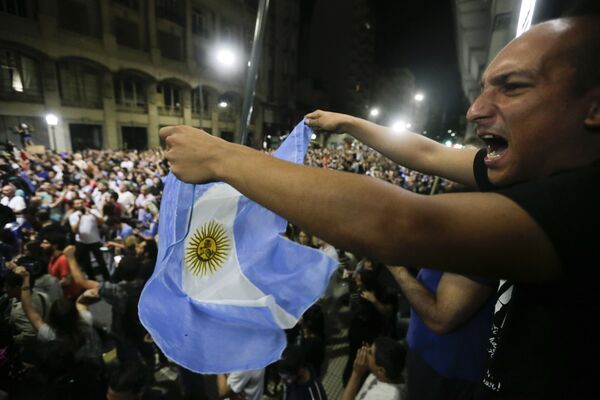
[{"x": 420, "y": 35}]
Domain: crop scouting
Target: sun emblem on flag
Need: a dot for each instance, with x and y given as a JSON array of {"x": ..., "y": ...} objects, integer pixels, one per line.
[{"x": 207, "y": 249}]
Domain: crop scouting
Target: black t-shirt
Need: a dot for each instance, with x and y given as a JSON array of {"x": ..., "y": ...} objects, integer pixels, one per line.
[{"x": 543, "y": 343}]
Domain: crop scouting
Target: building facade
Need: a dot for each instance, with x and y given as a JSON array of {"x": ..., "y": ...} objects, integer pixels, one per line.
[
  {"x": 115, "y": 71},
  {"x": 344, "y": 63}
]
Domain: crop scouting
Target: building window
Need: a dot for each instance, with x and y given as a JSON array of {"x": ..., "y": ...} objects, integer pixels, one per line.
[
  {"x": 81, "y": 16},
  {"x": 202, "y": 22},
  {"x": 170, "y": 9},
  {"x": 130, "y": 94},
  {"x": 171, "y": 46},
  {"x": 19, "y": 77},
  {"x": 171, "y": 99},
  {"x": 228, "y": 31},
  {"x": 126, "y": 33},
  {"x": 79, "y": 85},
  {"x": 14, "y": 7},
  {"x": 201, "y": 56},
  {"x": 133, "y": 4}
]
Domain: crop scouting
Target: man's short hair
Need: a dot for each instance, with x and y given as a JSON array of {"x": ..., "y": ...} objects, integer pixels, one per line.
[
  {"x": 391, "y": 355},
  {"x": 56, "y": 239},
  {"x": 292, "y": 360},
  {"x": 128, "y": 269},
  {"x": 43, "y": 214}
]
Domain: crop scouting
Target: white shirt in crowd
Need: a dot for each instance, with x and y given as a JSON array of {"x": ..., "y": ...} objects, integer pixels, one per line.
[
  {"x": 17, "y": 203},
  {"x": 248, "y": 382},
  {"x": 127, "y": 164},
  {"x": 141, "y": 200},
  {"x": 88, "y": 226},
  {"x": 126, "y": 200},
  {"x": 373, "y": 389}
]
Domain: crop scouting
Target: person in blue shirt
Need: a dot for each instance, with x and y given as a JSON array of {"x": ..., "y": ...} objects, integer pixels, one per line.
[{"x": 450, "y": 323}]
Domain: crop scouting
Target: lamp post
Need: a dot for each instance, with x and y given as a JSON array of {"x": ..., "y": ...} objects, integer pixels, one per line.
[{"x": 52, "y": 121}]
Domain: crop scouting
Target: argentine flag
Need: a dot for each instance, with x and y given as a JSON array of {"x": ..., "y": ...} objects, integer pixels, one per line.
[{"x": 227, "y": 282}]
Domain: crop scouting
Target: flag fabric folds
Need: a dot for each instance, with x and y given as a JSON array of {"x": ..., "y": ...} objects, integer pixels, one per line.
[{"x": 227, "y": 282}]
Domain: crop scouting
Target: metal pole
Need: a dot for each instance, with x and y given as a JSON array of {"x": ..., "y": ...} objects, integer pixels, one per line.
[
  {"x": 435, "y": 185},
  {"x": 252, "y": 75}
]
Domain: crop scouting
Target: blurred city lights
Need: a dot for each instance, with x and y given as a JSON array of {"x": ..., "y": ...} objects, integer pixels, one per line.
[
  {"x": 223, "y": 104},
  {"x": 448, "y": 143},
  {"x": 313, "y": 136},
  {"x": 419, "y": 97},
  {"x": 374, "y": 112},
  {"x": 399, "y": 126},
  {"x": 453, "y": 134},
  {"x": 408, "y": 125},
  {"x": 51, "y": 119},
  {"x": 225, "y": 57}
]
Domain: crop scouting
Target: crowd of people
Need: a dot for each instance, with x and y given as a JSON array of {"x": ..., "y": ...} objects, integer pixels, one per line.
[
  {"x": 360, "y": 159},
  {"x": 81, "y": 228}
]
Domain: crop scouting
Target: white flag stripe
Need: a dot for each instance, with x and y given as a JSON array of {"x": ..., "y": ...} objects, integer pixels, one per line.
[{"x": 228, "y": 284}]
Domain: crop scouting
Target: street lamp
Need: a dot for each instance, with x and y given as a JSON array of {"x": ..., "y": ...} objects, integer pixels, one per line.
[
  {"x": 223, "y": 104},
  {"x": 419, "y": 97},
  {"x": 226, "y": 57},
  {"x": 52, "y": 121},
  {"x": 374, "y": 112}
]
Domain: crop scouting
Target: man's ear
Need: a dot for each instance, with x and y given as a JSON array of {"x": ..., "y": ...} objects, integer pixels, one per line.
[{"x": 592, "y": 119}]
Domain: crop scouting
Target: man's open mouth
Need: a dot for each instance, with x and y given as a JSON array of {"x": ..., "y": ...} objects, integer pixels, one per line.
[{"x": 496, "y": 145}]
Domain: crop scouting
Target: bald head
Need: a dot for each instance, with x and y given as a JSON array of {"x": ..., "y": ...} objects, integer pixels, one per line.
[
  {"x": 9, "y": 191},
  {"x": 576, "y": 46}
]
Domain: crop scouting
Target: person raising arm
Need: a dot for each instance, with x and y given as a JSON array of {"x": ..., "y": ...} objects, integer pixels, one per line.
[{"x": 409, "y": 149}]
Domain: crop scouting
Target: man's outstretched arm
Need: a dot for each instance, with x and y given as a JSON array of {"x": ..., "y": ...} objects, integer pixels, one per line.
[
  {"x": 406, "y": 148},
  {"x": 451, "y": 232}
]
